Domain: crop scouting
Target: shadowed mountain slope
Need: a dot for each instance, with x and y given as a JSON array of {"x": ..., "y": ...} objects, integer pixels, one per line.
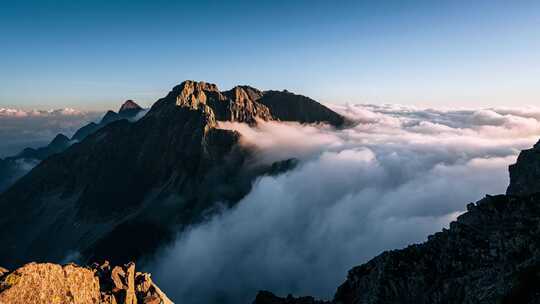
[{"x": 287, "y": 106}]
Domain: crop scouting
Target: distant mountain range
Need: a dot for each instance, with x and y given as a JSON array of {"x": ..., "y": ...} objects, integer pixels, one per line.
[
  {"x": 14, "y": 167},
  {"x": 120, "y": 189}
]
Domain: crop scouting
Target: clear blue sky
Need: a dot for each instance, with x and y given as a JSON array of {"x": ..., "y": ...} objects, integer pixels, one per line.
[{"x": 95, "y": 54}]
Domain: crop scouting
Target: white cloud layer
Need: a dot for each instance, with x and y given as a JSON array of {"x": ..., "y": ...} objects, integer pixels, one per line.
[
  {"x": 399, "y": 175},
  {"x": 47, "y": 113}
]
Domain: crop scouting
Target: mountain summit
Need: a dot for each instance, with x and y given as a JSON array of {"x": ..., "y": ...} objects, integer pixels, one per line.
[
  {"x": 246, "y": 104},
  {"x": 129, "y": 105}
]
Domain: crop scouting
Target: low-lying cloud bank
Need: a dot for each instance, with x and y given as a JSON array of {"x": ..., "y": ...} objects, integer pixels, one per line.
[
  {"x": 399, "y": 175},
  {"x": 20, "y": 129}
]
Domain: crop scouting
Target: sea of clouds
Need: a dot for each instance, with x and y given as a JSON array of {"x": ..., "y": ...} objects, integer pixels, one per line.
[
  {"x": 20, "y": 129},
  {"x": 398, "y": 175}
]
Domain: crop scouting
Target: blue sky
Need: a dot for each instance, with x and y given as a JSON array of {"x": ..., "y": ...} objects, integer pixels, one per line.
[{"x": 95, "y": 54}]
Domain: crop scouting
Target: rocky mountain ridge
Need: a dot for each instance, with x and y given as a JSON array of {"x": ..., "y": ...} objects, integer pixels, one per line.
[
  {"x": 490, "y": 254},
  {"x": 247, "y": 104},
  {"x": 129, "y": 187}
]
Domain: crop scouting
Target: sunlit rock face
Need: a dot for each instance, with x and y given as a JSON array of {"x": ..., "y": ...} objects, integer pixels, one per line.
[
  {"x": 234, "y": 105},
  {"x": 490, "y": 254},
  {"x": 246, "y": 104},
  {"x": 45, "y": 283}
]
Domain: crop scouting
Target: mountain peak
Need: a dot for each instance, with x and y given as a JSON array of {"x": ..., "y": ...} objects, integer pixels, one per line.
[
  {"x": 59, "y": 140},
  {"x": 244, "y": 93},
  {"x": 192, "y": 94},
  {"x": 195, "y": 85},
  {"x": 129, "y": 105},
  {"x": 244, "y": 103},
  {"x": 110, "y": 116},
  {"x": 233, "y": 105}
]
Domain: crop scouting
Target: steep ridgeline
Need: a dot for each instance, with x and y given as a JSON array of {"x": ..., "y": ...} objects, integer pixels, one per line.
[
  {"x": 129, "y": 187},
  {"x": 491, "y": 254},
  {"x": 14, "y": 167}
]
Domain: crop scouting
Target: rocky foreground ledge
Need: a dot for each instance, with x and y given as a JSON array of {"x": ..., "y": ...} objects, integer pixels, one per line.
[{"x": 46, "y": 283}]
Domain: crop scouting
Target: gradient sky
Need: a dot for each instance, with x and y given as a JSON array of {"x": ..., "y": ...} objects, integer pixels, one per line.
[{"x": 95, "y": 54}]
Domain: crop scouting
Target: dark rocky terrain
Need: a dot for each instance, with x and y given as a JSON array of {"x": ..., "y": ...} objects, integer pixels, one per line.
[
  {"x": 128, "y": 187},
  {"x": 14, "y": 167},
  {"x": 47, "y": 283},
  {"x": 490, "y": 254}
]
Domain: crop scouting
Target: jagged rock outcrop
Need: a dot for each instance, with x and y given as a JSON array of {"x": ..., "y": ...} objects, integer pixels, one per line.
[
  {"x": 129, "y": 187},
  {"x": 246, "y": 104},
  {"x": 525, "y": 173},
  {"x": 46, "y": 283},
  {"x": 490, "y": 254},
  {"x": 233, "y": 105}
]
